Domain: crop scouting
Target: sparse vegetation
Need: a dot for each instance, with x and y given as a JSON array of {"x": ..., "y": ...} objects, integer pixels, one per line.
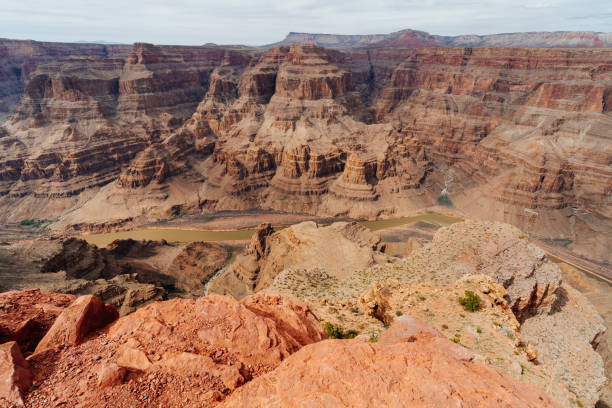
[
  {"x": 478, "y": 330},
  {"x": 470, "y": 302},
  {"x": 444, "y": 200},
  {"x": 335, "y": 331},
  {"x": 398, "y": 313},
  {"x": 36, "y": 222}
]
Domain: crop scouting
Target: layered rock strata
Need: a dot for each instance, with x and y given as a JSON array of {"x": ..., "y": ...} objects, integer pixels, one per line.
[{"x": 510, "y": 134}]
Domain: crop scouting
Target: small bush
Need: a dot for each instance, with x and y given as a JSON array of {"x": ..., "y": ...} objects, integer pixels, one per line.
[
  {"x": 398, "y": 313},
  {"x": 471, "y": 301},
  {"x": 444, "y": 200},
  {"x": 478, "y": 330},
  {"x": 335, "y": 331}
]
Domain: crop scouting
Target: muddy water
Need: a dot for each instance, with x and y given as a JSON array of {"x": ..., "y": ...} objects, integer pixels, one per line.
[
  {"x": 170, "y": 235},
  {"x": 186, "y": 235}
]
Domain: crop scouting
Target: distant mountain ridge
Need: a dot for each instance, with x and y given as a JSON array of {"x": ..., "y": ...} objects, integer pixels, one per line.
[{"x": 416, "y": 39}]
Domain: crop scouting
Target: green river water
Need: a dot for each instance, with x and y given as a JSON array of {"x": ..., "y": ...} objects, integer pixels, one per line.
[{"x": 186, "y": 235}]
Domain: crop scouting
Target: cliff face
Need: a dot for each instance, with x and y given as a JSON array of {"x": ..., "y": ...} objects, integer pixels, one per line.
[
  {"x": 19, "y": 59},
  {"x": 416, "y": 39},
  {"x": 518, "y": 135}
]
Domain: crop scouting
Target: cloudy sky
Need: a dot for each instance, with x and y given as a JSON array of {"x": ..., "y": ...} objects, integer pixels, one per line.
[{"x": 266, "y": 21}]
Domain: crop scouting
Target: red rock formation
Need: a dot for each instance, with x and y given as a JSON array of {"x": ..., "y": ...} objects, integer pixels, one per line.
[
  {"x": 26, "y": 316},
  {"x": 15, "y": 376},
  {"x": 421, "y": 369},
  {"x": 175, "y": 353},
  {"x": 19, "y": 59},
  {"x": 85, "y": 314}
]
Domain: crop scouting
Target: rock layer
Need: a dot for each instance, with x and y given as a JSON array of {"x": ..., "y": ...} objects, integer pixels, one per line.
[
  {"x": 126, "y": 274},
  {"x": 511, "y": 134}
]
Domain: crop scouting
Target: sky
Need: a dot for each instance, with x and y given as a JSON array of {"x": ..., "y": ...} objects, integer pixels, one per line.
[{"x": 192, "y": 22}]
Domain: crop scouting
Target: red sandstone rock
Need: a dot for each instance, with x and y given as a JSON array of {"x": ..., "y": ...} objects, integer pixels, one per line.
[
  {"x": 111, "y": 375},
  {"x": 416, "y": 371},
  {"x": 15, "y": 377},
  {"x": 26, "y": 316},
  {"x": 175, "y": 353},
  {"x": 86, "y": 313}
]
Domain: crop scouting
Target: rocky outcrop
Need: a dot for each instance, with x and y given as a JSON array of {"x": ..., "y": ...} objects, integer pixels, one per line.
[
  {"x": 126, "y": 274},
  {"x": 15, "y": 378},
  {"x": 517, "y": 328},
  {"x": 338, "y": 248},
  {"x": 85, "y": 314},
  {"x": 418, "y": 369},
  {"x": 574, "y": 360},
  {"x": 26, "y": 316},
  {"x": 176, "y": 353}
]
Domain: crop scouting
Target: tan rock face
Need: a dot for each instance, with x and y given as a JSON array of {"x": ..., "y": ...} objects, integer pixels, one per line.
[
  {"x": 338, "y": 248},
  {"x": 518, "y": 328},
  {"x": 420, "y": 369},
  {"x": 86, "y": 313},
  {"x": 15, "y": 376}
]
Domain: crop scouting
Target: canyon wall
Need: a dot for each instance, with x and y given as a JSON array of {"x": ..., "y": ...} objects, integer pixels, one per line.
[
  {"x": 413, "y": 39},
  {"x": 20, "y": 58},
  {"x": 509, "y": 134}
]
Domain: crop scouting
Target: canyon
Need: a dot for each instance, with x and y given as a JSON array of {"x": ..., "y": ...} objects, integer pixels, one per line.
[
  {"x": 519, "y": 135},
  {"x": 316, "y": 128}
]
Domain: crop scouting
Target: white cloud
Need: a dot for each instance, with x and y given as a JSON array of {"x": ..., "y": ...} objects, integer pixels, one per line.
[{"x": 266, "y": 21}]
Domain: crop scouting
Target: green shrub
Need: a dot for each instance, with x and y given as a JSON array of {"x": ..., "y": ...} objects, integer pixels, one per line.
[
  {"x": 335, "y": 331},
  {"x": 398, "y": 313},
  {"x": 444, "y": 200},
  {"x": 471, "y": 301},
  {"x": 478, "y": 330}
]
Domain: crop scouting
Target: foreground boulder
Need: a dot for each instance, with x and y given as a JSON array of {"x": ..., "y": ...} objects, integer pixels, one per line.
[
  {"x": 26, "y": 316},
  {"x": 418, "y": 369},
  {"x": 175, "y": 353},
  {"x": 15, "y": 376},
  {"x": 85, "y": 314}
]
